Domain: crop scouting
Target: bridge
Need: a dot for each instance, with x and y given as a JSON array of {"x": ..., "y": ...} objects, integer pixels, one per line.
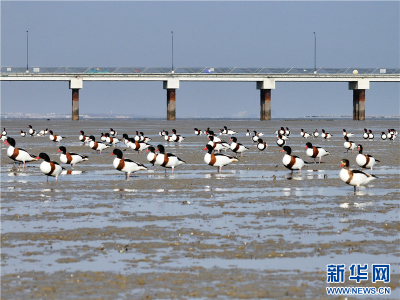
[{"x": 265, "y": 78}]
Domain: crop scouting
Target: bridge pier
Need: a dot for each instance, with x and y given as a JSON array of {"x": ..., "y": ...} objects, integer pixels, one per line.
[
  {"x": 359, "y": 105},
  {"x": 359, "y": 88},
  {"x": 171, "y": 85},
  {"x": 75, "y": 84},
  {"x": 171, "y": 106},
  {"x": 75, "y": 104},
  {"x": 265, "y": 104},
  {"x": 265, "y": 88}
]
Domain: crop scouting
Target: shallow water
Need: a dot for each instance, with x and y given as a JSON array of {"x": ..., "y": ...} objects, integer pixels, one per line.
[{"x": 197, "y": 233}]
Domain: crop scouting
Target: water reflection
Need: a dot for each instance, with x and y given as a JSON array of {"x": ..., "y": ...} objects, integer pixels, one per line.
[
  {"x": 356, "y": 204},
  {"x": 71, "y": 172}
]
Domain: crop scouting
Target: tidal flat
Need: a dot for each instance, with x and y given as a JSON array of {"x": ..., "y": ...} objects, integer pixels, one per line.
[{"x": 252, "y": 231}]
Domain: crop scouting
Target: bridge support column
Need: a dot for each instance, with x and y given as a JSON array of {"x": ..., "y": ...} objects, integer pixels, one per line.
[
  {"x": 75, "y": 104},
  {"x": 265, "y": 104},
  {"x": 359, "y": 88},
  {"x": 171, "y": 106},
  {"x": 359, "y": 105},
  {"x": 265, "y": 88},
  {"x": 171, "y": 85},
  {"x": 75, "y": 84}
]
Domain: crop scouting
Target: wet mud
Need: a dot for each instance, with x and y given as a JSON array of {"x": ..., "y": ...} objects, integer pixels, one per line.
[{"x": 252, "y": 231}]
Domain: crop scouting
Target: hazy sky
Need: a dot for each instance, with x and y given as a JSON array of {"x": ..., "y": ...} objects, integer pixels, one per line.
[{"x": 276, "y": 34}]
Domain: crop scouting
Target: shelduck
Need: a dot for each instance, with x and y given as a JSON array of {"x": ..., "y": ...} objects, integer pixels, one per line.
[
  {"x": 31, "y": 131},
  {"x": 237, "y": 147},
  {"x": 55, "y": 138},
  {"x": 354, "y": 177},
  {"x": 98, "y": 146},
  {"x": 315, "y": 152},
  {"x": 71, "y": 158},
  {"x": 349, "y": 134},
  {"x": 326, "y": 135},
  {"x": 126, "y": 165},
  {"x": 151, "y": 157},
  {"x": 291, "y": 162},
  {"x": 261, "y": 145},
  {"x": 167, "y": 160},
  {"x": 217, "y": 159},
  {"x": 349, "y": 145},
  {"x": 365, "y": 160},
  {"x": 280, "y": 141},
  {"x": 48, "y": 167},
  {"x": 18, "y": 154},
  {"x": 177, "y": 138}
]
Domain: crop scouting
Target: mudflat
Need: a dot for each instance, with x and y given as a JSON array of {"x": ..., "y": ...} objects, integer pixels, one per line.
[{"x": 255, "y": 230}]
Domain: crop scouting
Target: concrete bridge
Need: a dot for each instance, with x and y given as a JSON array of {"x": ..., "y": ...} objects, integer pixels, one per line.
[{"x": 265, "y": 79}]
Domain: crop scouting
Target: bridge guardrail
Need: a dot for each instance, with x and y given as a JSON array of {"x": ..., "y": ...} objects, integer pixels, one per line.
[{"x": 192, "y": 70}]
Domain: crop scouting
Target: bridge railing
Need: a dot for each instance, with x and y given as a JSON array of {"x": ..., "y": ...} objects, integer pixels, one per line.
[{"x": 192, "y": 70}]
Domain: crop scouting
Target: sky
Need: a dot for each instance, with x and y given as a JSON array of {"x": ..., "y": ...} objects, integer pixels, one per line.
[{"x": 276, "y": 34}]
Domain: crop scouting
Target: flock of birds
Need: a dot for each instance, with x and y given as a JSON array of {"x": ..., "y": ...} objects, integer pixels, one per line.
[{"x": 213, "y": 157}]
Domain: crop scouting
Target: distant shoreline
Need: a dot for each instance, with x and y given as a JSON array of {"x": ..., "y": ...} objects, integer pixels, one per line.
[{"x": 117, "y": 117}]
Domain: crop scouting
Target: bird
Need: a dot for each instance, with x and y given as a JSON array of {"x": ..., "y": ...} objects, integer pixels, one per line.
[
  {"x": 71, "y": 158},
  {"x": 197, "y": 131},
  {"x": 31, "y": 130},
  {"x": 144, "y": 138},
  {"x": 280, "y": 141},
  {"x": 97, "y": 146},
  {"x": 315, "y": 152},
  {"x": 55, "y": 138},
  {"x": 110, "y": 139},
  {"x": 4, "y": 132},
  {"x": 237, "y": 147},
  {"x": 349, "y": 145},
  {"x": 316, "y": 133},
  {"x": 304, "y": 134},
  {"x": 228, "y": 131},
  {"x": 261, "y": 145},
  {"x": 43, "y": 132},
  {"x": 18, "y": 154},
  {"x": 151, "y": 157},
  {"x": 354, "y": 177},
  {"x": 325, "y": 135},
  {"x": 370, "y": 135},
  {"x": 161, "y": 133},
  {"x": 83, "y": 138},
  {"x": 215, "y": 137},
  {"x": 255, "y": 137},
  {"x": 137, "y": 146},
  {"x": 23, "y": 133},
  {"x": 248, "y": 133},
  {"x": 126, "y": 165},
  {"x": 365, "y": 134},
  {"x": 217, "y": 159},
  {"x": 349, "y": 134},
  {"x": 167, "y": 160},
  {"x": 365, "y": 160},
  {"x": 383, "y": 135},
  {"x": 103, "y": 137},
  {"x": 177, "y": 138},
  {"x": 287, "y": 131},
  {"x": 48, "y": 167},
  {"x": 112, "y": 132},
  {"x": 291, "y": 162},
  {"x": 218, "y": 146},
  {"x": 167, "y": 137}
]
